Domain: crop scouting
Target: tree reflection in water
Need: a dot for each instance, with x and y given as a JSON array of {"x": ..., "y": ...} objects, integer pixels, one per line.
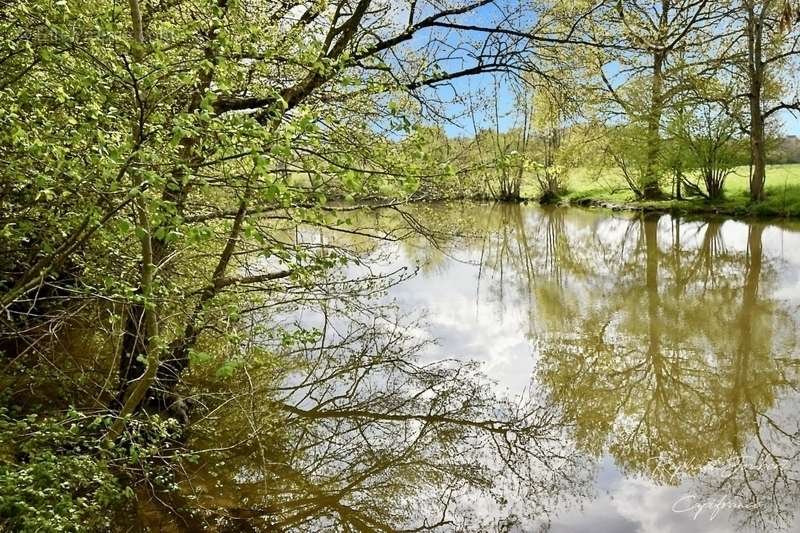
[
  {"x": 657, "y": 342},
  {"x": 360, "y": 435},
  {"x": 665, "y": 355}
]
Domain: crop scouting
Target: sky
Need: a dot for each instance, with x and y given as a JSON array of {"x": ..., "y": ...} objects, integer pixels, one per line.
[
  {"x": 791, "y": 125},
  {"x": 462, "y": 126}
]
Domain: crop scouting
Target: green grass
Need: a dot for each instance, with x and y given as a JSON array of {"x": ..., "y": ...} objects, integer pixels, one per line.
[{"x": 608, "y": 186}]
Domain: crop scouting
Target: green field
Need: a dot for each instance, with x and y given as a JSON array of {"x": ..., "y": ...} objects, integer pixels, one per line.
[{"x": 783, "y": 193}]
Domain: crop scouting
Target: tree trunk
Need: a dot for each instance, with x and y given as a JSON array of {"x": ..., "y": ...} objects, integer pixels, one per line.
[
  {"x": 650, "y": 229},
  {"x": 650, "y": 187},
  {"x": 134, "y": 349},
  {"x": 758, "y": 150}
]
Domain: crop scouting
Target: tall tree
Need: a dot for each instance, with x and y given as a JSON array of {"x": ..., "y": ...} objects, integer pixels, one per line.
[
  {"x": 652, "y": 49},
  {"x": 772, "y": 35}
]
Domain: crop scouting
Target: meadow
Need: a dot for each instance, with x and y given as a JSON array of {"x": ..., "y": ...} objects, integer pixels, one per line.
[{"x": 607, "y": 186}]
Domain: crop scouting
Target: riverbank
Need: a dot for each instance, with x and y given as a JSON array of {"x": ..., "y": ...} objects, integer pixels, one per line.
[
  {"x": 608, "y": 192},
  {"x": 772, "y": 207}
]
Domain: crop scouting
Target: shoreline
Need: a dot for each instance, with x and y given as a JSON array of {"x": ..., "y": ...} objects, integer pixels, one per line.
[{"x": 745, "y": 211}]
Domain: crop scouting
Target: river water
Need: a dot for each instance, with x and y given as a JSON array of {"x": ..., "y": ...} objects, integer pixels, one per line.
[
  {"x": 534, "y": 368},
  {"x": 669, "y": 345}
]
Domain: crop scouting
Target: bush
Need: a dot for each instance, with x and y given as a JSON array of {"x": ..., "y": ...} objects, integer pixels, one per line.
[{"x": 56, "y": 474}]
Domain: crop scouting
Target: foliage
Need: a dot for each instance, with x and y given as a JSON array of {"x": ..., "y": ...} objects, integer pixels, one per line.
[
  {"x": 785, "y": 151},
  {"x": 57, "y": 474},
  {"x": 626, "y": 147},
  {"x": 52, "y": 477},
  {"x": 164, "y": 163},
  {"x": 705, "y": 149},
  {"x": 549, "y": 111}
]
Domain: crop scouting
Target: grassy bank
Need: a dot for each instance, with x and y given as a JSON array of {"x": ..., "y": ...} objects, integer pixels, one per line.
[{"x": 608, "y": 189}]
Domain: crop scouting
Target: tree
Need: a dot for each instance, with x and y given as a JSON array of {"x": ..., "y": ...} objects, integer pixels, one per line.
[
  {"x": 550, "y": 109},
  {"x": 773, "y": 40},
  {"x": 704, "y": 141},
  {"x": 501, "y": 155},
  {"x": 648, "y": 46},
  {"x": 166, "y": 158},
  {"x": 197, "y": 130}
]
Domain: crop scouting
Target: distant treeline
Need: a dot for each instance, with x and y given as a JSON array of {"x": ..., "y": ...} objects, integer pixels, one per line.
[{"x": 787, "y": 150}]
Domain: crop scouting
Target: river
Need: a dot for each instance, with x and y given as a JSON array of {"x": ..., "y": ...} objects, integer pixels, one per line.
[{"x": 529, "y": 368}]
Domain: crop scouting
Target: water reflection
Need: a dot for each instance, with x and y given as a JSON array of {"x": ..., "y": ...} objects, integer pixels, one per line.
[
  {"x": 361, "y": 435},
  {"x": 665, "y": 344},
  {"x": 652, "y": 356}
]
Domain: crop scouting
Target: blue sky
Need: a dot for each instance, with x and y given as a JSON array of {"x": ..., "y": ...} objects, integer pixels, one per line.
[
  {"x": 791, "y": 125},
  {"x": 483, "y": 86}
]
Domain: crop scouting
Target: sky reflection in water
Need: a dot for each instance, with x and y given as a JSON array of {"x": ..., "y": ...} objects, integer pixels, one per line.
[
  {"x": 637, "y": 361},
  {"x": 655, "y": 336}
]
